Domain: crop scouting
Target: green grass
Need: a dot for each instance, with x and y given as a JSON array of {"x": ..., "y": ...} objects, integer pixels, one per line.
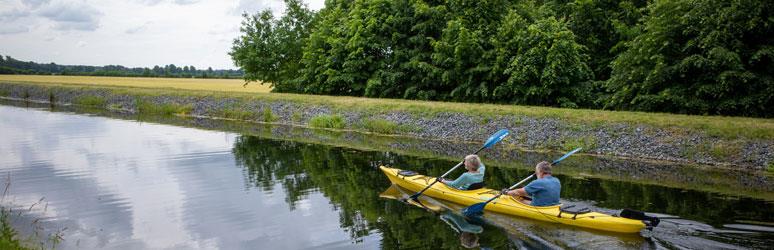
[
  {"x": 90, "y": 100},
  {"x": 725, "y": 150},
  {"x": 721, "y": 126},
  {"x": 383, "y": 126},
  {"x": 587, "y": 143},
  {"x": 236, "y": 113},
  {"x": 379, "y": 126},
  {"x": 145, "y": 107},
  {"x": 114, "y": 106},
  {"x": 8, "y": 235},
  {"x": 297, "y": 116},
  {"x": 327, "y": 121},
  {"x": 770, "y": 167},
  {"x": 268, "y": 116}
]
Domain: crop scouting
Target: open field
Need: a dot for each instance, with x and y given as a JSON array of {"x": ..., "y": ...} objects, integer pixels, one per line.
[
  {"x": 230, "y": 85},
  {"x": 725, "y": 127}
]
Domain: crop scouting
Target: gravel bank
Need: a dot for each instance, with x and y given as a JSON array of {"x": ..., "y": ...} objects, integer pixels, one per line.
[{"x": 613, "y": 139}]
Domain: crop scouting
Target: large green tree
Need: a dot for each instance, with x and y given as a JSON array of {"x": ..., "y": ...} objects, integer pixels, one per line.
[
  {"x": 269, "y": 49},
  {"x": 699, "y": 57},
  {"x": 683, "y": 56},
  {"x": 548, "y": 66}
]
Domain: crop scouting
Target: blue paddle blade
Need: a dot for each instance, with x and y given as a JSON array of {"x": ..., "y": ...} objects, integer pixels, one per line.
[
  {"x": 496, "y": 137},
  {"x": 474, "y": 210},
  {"x": 566, "y": 155}
]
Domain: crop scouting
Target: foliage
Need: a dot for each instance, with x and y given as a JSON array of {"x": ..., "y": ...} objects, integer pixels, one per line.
[
  {"x": 381, "y": 126},
  {"x": 12, "y": 66},
  {"x": 699, "y": 57},
  {"x": 8, "y": 235},
  {"x": 548, "y": 68},
  {"x": 268, "y": 116},
  {"x": 327, "y": 121},
  {"x": 696, "y": 57},
  {"x": 270, "y": 49}
]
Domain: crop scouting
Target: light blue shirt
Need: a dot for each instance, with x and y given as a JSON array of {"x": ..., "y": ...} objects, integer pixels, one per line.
[
  {"x": 544, "y": 191},
  {"x": 464, "y": 181}
]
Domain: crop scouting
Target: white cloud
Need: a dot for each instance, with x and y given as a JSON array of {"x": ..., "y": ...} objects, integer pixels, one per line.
[
  {"x": 71, "y": 15},
  {"x": 12, "y": 29},
  {"x": 139, "y": 28},
  {"x": 133, "y": 33},
  {"x": 186, "y": 2}
]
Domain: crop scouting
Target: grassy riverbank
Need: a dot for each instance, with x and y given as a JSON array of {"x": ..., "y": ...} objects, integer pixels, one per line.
[
  {"x": 665, "y": 174},
  {"x": 724, "y": 127}
]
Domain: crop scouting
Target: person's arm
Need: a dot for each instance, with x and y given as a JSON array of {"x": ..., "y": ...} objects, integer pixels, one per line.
[
  {"x": 459, "y": 182},
  {"x": 526, "y": 191},
  {"x": 517, "y": 192}
]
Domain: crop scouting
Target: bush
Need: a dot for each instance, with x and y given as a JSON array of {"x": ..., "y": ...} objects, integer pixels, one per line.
[
  {"x": 90, "y": 100},
  {"x": 327, "y": 121},
  {"x": 379, "y": 126},
  {"x": 268, "y": 116}
]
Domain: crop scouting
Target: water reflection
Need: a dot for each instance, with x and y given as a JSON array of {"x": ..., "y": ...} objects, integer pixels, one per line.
[{"x": 134, "y": 185}]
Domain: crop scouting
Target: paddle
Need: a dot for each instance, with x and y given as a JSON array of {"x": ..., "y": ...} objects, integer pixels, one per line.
[
  {"x": 478, "y": 208},
  {"x": 495, "y": 138}
]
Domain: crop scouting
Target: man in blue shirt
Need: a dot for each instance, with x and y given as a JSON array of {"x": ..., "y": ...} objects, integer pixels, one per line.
[
  {"x": 544, "y": 191},
  {"x": 474, "y": 175}
]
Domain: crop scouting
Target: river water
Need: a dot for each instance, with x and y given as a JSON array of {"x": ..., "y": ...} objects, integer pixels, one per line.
[{"x": 84, "y": 182}]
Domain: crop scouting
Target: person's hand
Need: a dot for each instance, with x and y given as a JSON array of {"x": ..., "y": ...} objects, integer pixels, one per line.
[
  {"x": 505, "y": 191},
  {"x": 440, "y": 179}
]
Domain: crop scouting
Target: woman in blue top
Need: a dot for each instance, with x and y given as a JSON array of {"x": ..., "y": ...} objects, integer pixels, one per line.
[
  {"x": 544, "y": 191},
  {"x": 475, "y": 174}
]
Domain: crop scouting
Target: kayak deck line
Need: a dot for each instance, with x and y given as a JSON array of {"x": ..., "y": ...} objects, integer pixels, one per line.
[{"x": 511, "y": 206}]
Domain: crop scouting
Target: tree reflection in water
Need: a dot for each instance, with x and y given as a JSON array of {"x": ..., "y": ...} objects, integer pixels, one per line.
[{"x": 352, "y": 182}]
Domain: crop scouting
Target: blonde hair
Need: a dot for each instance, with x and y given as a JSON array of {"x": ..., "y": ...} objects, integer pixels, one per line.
[
  {"x": 544, "y": 167},
  {"x": 474, "y": 161}
]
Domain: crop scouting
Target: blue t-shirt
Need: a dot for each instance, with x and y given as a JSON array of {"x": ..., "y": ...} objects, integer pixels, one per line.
[
  {"x": 464, "y": 181},
  {"x": 544, "y": 191}
]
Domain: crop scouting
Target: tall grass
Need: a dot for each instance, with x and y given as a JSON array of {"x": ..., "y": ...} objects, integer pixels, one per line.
[
  {"x": 383, "y": 126},
  {"x": 327, "y": 121},
  {"x": 91, "y": 101}
]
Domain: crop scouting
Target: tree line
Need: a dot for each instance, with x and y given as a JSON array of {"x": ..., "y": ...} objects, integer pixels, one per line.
[
  {"x": 9, "y": 65},
  {"x": 682, "y": 56}
]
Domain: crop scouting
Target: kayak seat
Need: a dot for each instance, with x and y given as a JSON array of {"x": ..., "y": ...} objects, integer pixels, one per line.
[
  {"x": 407, "y": 173},
  {"x": 477, "y": 185},
  {"x": 573, "y": 209}
]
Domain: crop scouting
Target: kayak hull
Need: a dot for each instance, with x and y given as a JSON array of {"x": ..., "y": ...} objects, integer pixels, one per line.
[{"x": 510, "y": 206}]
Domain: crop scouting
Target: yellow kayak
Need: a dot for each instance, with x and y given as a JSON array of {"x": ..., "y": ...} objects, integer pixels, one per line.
[{"x": 508, "y": 205}]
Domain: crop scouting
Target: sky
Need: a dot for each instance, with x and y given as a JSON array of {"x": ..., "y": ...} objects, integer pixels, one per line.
[{"x": 132, "y": 33}]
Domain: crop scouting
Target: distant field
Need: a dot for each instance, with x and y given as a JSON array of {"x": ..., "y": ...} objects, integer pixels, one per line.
[{"x": 228, "y": 85}]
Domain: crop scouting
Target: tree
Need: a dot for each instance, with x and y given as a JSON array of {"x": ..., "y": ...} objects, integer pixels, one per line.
[
  {"x": 699, "y": 57},
  {"x": 269, "y": 50},
  {"x": 548, "y": 67}
]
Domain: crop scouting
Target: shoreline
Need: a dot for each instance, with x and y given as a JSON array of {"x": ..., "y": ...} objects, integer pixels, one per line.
[
  {"x": 757, "y": 184},
  {"x": 638, "y": 141}
]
